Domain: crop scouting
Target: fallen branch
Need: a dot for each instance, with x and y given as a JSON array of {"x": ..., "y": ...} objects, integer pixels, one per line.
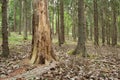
[{"x": 34, "y": 72}]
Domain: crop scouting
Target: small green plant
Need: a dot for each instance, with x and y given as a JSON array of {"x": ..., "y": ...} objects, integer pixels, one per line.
[{"x": 70, "y": 52}]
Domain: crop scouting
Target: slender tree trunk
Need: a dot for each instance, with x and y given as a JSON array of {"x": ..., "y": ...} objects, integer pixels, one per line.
[
  {"x": 5, "y": 48},
  {"x": 107, "y": 22},
  {"x": 96, "y": 32},
  {"x": 41, "y": 42},
  {"x": 62, "y": 21},
  {"x": 81, "y": 49},
  {"x": 59, "y": 29},
  {"x": 15, "y": 10},
  {"x": 114, "y": 28},
  {"x": 8, "y": 20},
  {"x": 53, "y": 17},
  {"x": 107, "y": 32},
  {"x": 56, "y": 32},
  {"x": 30, "y": 20},
  {"x": 85, "y": 25},
  {"x": 74, "y": 22},
  {"x": 25, "y": 19},
  {"x": 91, "y": 27},
  {"x": 20, "y": 17},
  {"x": 74, "y": 32},
  {"x": 103, "y": 27}
]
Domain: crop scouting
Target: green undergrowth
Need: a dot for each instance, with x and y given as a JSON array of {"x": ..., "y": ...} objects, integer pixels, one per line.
[
  {"x": 90, "y": 56},
  {"x": 70, "y": 52},
  {"x": 16, "y": 39}
]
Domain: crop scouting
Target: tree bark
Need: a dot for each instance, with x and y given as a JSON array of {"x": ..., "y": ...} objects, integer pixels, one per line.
[
  {"x": 25, "y": 19},
  {"x": 96, "y": 32},
  {"x": 5, "y": 48},
  {"x": 103, "y": 26},
  {"x": 42, "y": 51},
  {"x": 20, "y": 17},
  {"x": 81, "y": 49},
  {"x": 62, "y": 21},
  {"x": 114, "y": 27},
  {"x": 15, "y": 10},
  {"x": 58, "y": 25}
]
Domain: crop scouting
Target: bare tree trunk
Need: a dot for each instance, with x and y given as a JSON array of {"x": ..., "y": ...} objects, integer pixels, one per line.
[
  {"x": 5, "y": 48},
  {"x": 62, "y": 21},
  {"x": 114, "y": 27},
  {"x": 42, "y": 51},
  {"x": 74, "y": 32},
  {"x": 81, "y": 49},
  {"x": 108, "y": 30},
  {"x": 53, "y": 17},
  {"x": 103, "y": 27},
  {"x": 8, "y": 20},
  {"x": 30, "y": 21},
  {"x": 25, "y": 19},
  {"x": 58, "y": 26},
  {"x": 15, "y": 10},
  {"x": 96, "y": 32},
  {"x": 20, "y": 17},
  {"x": 85, "y": 25}
]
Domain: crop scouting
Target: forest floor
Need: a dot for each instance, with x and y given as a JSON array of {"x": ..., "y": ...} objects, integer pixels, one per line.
[{"x": 103, "y": 64}]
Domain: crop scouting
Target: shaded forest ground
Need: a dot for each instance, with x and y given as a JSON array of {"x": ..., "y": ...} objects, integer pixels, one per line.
[{"x": 103, "y": 63}]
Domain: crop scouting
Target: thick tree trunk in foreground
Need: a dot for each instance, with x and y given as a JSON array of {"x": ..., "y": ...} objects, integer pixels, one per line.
[
  {"x": 5, "y": 48},
  {"x": 80, "y": 49},
  {"x": 41, "y": 43}
]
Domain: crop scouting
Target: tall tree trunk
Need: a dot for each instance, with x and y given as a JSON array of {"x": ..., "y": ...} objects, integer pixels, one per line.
[
  {"x": 20, "y": 17},
  {"x": 85, "y": 23},
  {"x": 81, "y": 49},
  {"x": 103, "y": 27},
  {"x": 53, "y": 17},
  {"x": 30, "y": 20},
  {"x": 74, "y": 32},
  {"x": 108, "y": 30},
  {"x": 58, "y": 26},
  {"x": 25, "y": 19},
  {"x": 107, "y": 21},
  {"x": 62, "y": 21},
  {"x": 91, "y": 32},
  {"x": 74, "y": 22},
  {"x": 8, "y": 19},
  {"x": 114, "y": 27},
  {"x": 5, "y": 48},
  {"x": 41, "y": 42},
  {"x": 91, "y": 27},
  {"x": 15, "y": 10},
  {"x": 96, "y": 32}
]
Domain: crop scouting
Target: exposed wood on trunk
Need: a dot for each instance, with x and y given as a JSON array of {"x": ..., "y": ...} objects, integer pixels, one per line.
[{"x": 42, "y": 51}]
